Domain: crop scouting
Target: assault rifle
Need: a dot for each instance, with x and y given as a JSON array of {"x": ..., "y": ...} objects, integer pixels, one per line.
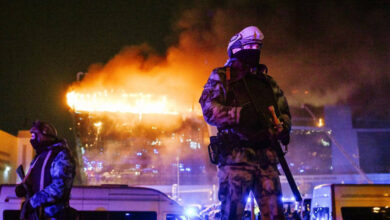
[{"x": 275, "y": 143}]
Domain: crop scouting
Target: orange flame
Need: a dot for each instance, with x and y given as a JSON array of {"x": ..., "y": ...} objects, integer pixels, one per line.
[
  {"x": 137, "y": 103},
  {"x": 133, "y": 83}
]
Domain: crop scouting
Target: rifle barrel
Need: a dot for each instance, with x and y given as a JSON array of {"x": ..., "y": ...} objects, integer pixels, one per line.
[{"x": 287, "y": 172}]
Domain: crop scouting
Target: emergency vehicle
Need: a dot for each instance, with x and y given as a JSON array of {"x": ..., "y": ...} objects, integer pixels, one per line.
[{"x": 105, "y": 202}]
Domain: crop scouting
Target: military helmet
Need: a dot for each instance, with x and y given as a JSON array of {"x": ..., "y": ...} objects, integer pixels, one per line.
[
  {"x": 248, "y": 35},
  {"x": 44, "y": 128}
]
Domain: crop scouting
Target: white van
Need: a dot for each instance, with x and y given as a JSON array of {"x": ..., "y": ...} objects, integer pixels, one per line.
[
  {"x": 106, "y": 202},
  {"x": 350, "y": 201}
]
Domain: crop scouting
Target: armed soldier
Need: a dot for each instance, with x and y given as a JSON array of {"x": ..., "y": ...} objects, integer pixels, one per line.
[
  {"x": 48, "y": 182},
  {"x": 236, "y": 99}
]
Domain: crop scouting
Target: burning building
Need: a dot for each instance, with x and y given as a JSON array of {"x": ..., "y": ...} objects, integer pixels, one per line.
[
  {"x": 137, "y": 122},
  {"x": 138, "y": 139}
]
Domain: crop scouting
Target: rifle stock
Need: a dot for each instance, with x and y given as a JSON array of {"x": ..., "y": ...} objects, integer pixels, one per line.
[{"x": 20, "y": 172}]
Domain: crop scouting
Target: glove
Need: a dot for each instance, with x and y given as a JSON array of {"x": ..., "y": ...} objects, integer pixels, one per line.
[
  {"x": 20, "y": 190},
  {"x": 281, "y": 132},
  {"x": 284, "y": 136}
]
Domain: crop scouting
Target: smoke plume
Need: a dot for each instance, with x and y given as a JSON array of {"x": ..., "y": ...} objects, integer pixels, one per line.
[{"x": 318, "y": 53}]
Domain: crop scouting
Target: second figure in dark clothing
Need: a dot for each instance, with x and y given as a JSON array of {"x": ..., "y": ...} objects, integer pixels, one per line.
[{"x": 49, "y": 180}]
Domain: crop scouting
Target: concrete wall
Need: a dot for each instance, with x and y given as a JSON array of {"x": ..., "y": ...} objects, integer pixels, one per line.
[
  {"x": 13, "y": 152},
  {"x": 8, "y": 154}
]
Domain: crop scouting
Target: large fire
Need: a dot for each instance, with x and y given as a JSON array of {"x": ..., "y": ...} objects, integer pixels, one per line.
[
  {"x": 137, "y": 138},
  {"x": 138, "y": 121},
  {"x": 112, "y": 101}
]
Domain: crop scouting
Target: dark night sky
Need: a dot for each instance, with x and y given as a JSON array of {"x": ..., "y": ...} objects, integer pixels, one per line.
[{"x": 45, "y": 43}]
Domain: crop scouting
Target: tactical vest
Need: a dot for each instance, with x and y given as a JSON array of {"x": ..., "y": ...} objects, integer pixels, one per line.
[{"x": 261, "y": 94}]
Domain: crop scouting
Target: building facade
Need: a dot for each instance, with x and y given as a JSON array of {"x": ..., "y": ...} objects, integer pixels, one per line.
[{"x": 14, "y": 151}]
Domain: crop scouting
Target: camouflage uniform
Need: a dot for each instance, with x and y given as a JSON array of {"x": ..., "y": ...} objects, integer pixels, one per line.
[
  {"x": 250, "y": 165},
  {"x": 58, "y": 168}
]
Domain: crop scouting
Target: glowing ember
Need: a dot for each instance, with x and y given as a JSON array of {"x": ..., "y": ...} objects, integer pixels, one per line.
[{"x": 137, "y": 103}]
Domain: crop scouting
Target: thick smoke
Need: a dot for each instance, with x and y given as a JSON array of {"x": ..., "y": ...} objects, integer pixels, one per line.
[{"x": 318, "y": 53}]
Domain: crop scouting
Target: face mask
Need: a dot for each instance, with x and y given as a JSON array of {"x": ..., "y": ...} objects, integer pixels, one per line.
[
  {"x": 36, "y": 145},
  {"x": 39, "y": 146},
  {"x": 248, "y": 56}
]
